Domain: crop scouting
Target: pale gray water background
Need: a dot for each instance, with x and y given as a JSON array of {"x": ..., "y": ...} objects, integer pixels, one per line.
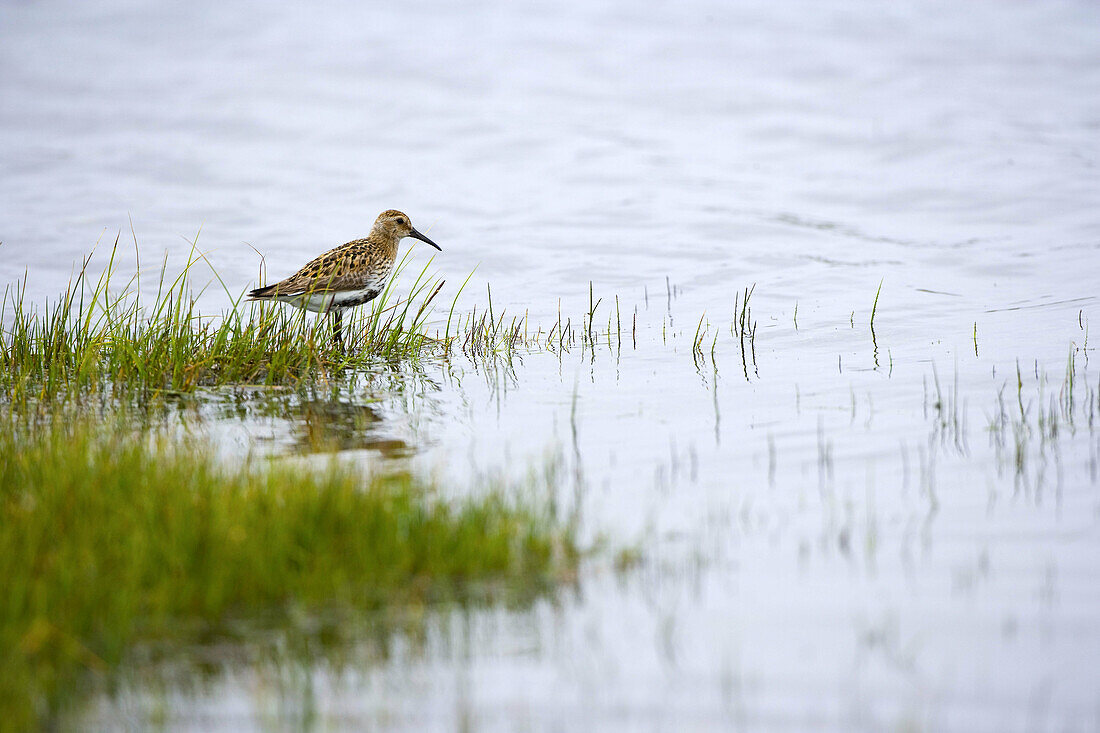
[{"x": 822, "y": 547}]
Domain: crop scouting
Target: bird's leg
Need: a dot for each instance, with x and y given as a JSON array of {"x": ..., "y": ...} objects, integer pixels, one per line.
[{"x": 338, "y": 328}]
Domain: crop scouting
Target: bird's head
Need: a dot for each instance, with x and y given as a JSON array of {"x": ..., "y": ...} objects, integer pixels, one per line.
[{"x": 396, "y": 225}]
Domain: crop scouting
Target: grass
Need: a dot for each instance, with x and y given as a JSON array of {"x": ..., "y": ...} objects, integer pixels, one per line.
[
  {"x": 1025, "y": 430},
  {"x": 874, "y": 306},
  {"x": 744, "y": 330},
  {"x": 110, "y": 538},
  {"x": 101, "y": 335}
]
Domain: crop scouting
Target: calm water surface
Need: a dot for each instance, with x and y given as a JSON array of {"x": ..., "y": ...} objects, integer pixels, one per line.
[{"x": 895, "y": 530}]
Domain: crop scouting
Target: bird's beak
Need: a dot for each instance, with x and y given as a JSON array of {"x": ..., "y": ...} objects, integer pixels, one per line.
[{"x": 417, "y": 235}]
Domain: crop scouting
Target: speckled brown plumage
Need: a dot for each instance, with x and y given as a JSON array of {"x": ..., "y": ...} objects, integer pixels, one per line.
[
  {"x": 347, "y": 276},
  {"x": 350, "y": 266},
  {"x": 350, "y": 274}
]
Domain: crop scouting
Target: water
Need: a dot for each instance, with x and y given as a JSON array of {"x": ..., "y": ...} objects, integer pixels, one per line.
[{"x": 822, "y": 545}]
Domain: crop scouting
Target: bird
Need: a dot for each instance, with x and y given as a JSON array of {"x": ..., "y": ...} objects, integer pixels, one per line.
[{"x": 346, "y": 276}]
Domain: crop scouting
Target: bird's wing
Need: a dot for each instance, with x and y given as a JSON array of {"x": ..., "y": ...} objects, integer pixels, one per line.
[{"x": 342, "y": 268}]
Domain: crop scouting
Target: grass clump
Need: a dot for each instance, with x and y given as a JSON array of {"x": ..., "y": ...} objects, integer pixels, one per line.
[
  {"x": 109, "y": 539},
  {"x": 101, "y": 336}
]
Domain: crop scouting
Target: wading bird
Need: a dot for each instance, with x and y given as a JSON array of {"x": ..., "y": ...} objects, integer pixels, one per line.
[{"x": 350, "y": 275}]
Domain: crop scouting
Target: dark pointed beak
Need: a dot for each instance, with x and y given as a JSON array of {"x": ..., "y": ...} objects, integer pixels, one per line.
[{"x": 417, "y": 235}]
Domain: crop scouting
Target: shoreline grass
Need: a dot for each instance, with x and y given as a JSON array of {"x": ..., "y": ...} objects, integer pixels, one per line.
[
  {"x": 100, "y": 336},
  {"x": 110, "y": 538}
]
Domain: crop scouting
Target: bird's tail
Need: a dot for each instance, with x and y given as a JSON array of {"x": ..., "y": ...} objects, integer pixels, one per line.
[{"x": 261, "y": 293}]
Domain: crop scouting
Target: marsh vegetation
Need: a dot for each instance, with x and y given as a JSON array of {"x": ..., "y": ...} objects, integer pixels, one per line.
[
  {"x": 125, "y": 531},
  {"x": 780, "y": 318},
  {"x": 120, "y": 530}
]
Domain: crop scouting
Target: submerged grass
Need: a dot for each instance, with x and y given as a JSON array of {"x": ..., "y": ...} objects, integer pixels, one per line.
[{"x": 110, "y": 538}]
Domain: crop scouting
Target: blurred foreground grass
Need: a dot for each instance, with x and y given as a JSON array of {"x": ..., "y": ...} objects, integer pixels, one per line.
[{"x": 110, "y": 538}]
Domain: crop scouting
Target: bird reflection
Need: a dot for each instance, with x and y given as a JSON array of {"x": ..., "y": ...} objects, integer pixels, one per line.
[{"x": 329, "y": 426}]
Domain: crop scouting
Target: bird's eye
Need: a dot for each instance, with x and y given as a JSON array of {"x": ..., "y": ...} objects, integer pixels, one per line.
[{"x": 402, "y": 222}]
